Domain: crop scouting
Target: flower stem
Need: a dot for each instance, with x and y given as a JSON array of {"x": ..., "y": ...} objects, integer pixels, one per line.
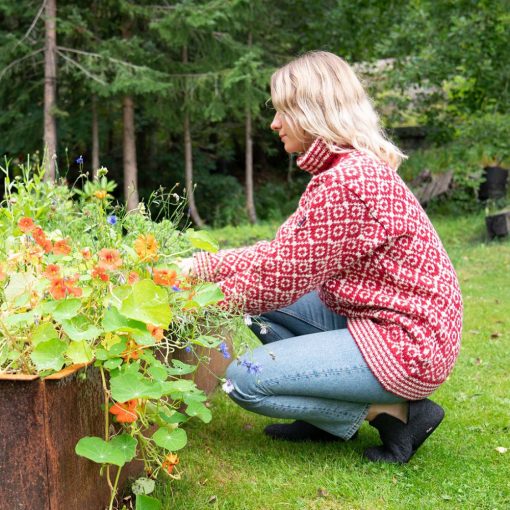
[
  {"x": 106, "y": 425},
  {"x": 114, "y": 490}
]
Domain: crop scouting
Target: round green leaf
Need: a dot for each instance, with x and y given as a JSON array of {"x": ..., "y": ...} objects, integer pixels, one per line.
[
  {"x": 127, "y": 386},
  {"x": 208, "y": 294},
  {"x": 147, "y": 303},
  {"x": 144, "y": 502},
  {"x": 98, "y": 450},
  {"x": 66, "y": 309},
  {"x": 80, "y": 328},
  {"x": 143, "y": 486},
  {"x": 172, "y": 440},
  {"x": 49, "y": 355},
  {"x": 202, "y": 240},
  {"x": 79, "y": 352},
  {"x": 43, "y": 333},
  {"x": 125, "y": 444},
  {"x": 199, "y": 410}
]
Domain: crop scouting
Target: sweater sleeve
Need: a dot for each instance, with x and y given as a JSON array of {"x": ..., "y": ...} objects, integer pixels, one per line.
[
  {"x": 331, "y": 230},
  {"x": 215, "y": 267}
]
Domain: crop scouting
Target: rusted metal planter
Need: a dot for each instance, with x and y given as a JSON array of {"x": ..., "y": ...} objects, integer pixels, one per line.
[
  {"x": 42, "y": 420},
  {"x": 206, "y": 376},
  {"x": 40, "y": 423}
]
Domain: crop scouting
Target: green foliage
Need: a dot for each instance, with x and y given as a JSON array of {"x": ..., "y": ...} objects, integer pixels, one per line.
[
  {"x": 487, "y": 136},
  {"x": 82, "y": 285},
  {"x": 450, "y": 58},
  {"x": 118, "y": 450},
  {"x": 277, "y": 200}
]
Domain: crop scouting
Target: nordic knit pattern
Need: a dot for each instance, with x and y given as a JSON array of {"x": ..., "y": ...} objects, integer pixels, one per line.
[{"x": 361, "y": 238}]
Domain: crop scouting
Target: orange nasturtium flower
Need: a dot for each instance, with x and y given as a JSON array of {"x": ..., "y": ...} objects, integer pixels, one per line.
[
  {"x": 125, "y": 412},
  {"x": 86, "y": 253},
  {"x": 62, "y": 287},
  {"x": 164, "y": 277},
  {"x": 171, "y": 460},
  {"x": 100, "y": 272},
  {"x": 133, "y": 277},
  {"x": 156, "y": 332},
  {"x": 101, "y": 194},
  {"x": 132, "y": 351},
  {"x": 47, "y": 245},
  {"x": 52, "y": 271},
  {"x": 61, "y": 247},
  {"x": 39, "y": 235},
  {"x": 26, "y": 224},
  {"x": 147, "y": 248},
  {"x": 3, "y": 274},
  {"x": 109, "y": 259}
]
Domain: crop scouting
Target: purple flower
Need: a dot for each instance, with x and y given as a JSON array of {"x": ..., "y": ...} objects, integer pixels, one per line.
[
  {"x": 175, "y": 288},
  {"x": 252, "y": 368},
  {"x": 224, "y": 350},
  {"x": 79, "y": 160},
  {"x": 188, "y": 348},
  {"x": 111, "y": 219}
]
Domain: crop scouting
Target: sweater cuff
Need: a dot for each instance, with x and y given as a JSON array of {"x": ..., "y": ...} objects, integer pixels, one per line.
[{"x": 201, "y": 266}]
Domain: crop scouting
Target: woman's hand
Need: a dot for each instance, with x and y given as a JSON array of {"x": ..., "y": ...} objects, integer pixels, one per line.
[{"x": 185, "y": 266}]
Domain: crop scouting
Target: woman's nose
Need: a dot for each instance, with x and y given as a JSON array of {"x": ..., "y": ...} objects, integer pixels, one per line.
[{"x": 276, "y": 124}]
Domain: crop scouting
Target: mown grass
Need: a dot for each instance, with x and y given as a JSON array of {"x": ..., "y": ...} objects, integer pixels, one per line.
[{"x": 230, "y": 465}]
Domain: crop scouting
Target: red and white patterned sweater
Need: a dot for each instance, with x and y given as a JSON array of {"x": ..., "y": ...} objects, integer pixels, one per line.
[{"x": 359, "y": 237}]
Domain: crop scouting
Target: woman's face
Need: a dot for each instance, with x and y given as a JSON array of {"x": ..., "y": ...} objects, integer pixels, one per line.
[{"x": 292, "y": 142}]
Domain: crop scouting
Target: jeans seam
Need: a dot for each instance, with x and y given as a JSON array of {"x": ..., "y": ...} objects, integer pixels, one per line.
[
  {"x": 310, "y": 322},
  {"x": 315, "y": 374}
]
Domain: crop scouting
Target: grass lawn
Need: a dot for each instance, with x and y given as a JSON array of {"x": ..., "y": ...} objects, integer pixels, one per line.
[{"x": 229, "y": 464}]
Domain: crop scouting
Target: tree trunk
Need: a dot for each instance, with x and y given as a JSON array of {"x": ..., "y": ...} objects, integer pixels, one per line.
[
  {"x": 95, "y": 137},
  {"x": 250, "y": 203},
  {"x": 188, "y": 157},
  {"x": 188, "y": 170},
  {"x": 50, "y": 90},
  {"x": 129, "y": 143},
  {"x": 290, "y": 169}
]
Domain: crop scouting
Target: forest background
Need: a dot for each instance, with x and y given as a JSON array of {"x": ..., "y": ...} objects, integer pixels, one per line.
[{"x": 163, "y": 92}]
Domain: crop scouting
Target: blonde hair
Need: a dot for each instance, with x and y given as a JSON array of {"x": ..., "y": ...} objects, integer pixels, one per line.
[{"x": 320, "y": 95}]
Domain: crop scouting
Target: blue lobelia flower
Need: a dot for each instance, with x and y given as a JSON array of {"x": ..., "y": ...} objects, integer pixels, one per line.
[
  {"x": 252, "y": 368},
  {"x": 188, "y": 348},
  {"x": 224, "y": 350},
  {"x": 175, "y": 288},
  {"x": 79, "y": 160},
  {"x": 112, "y": 219}
]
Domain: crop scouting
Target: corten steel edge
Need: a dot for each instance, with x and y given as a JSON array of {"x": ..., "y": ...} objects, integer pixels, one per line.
[{"x": 40, "y": 423}]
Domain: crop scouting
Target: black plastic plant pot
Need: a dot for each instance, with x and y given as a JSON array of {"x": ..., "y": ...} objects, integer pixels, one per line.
[
  {"x": 498, "y": 225},
  {"x": 494, "y": 184}
]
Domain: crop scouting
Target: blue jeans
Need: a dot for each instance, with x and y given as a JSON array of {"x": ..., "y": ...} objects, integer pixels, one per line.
[{"x": 309, "y": 369}]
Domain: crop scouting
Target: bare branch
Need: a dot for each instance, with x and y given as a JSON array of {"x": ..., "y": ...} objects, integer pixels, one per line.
[
  {"x": 143, "y": 68},
  {"x": 37, "y": 16},
  {"x": 19, "y": 60},
  {"x": 81, "y": 68}
]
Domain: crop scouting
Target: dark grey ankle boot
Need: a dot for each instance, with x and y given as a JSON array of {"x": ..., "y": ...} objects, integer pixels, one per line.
[
  {"x": 300, "y": 431},
  {"x": 401, "y": 440}
]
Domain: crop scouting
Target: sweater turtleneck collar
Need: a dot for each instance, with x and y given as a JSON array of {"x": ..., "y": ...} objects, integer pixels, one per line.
[{"x": 318, "y": 157}]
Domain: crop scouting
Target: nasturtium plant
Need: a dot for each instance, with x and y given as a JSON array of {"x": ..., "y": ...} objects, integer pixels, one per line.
[{"x": 84, "y": 282}]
